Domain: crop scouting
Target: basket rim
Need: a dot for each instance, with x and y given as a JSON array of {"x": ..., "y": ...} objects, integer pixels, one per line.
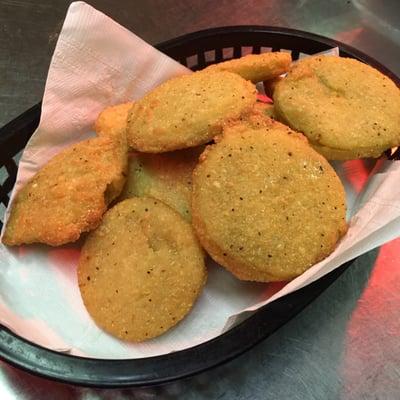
[{"x": 230, "y": 29}]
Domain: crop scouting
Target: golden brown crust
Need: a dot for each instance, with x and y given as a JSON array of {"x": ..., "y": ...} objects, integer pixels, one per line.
[
  {"x": 112, "y": 120},
  {"x": 266, "y": 109},
  {"x": 187, "y": 111},
  {"x": 256, "y": 67},
  {"x": 265, "y": 205},
  {"x": 166, "y": 177},
  {"x": 341, "y": 104},
  {"x": 258, "y": 117},
  {"x": 69, "y": 194},
  {"x": 141, "y": 270},
  {"x": 261, "y": 112},
  {"x": 337, "y": 154}
]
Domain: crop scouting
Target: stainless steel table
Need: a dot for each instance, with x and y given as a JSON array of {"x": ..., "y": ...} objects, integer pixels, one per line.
[{"x": 346, "y": 344}]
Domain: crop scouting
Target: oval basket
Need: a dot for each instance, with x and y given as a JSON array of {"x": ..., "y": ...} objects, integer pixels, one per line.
[{"x": 195, "y": 50}]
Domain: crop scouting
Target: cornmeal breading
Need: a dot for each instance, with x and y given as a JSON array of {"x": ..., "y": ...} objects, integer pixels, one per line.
[
  {"x": 266, "y": 205},
  {"x": 141, "y": 270}
]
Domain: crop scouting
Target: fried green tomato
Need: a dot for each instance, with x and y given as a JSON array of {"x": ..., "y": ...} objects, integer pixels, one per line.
[
  {"x": 69, "y": 195},
  {"x": 112, "y": 120},
  {"x": 166, "y": 177},
  {"x": 336, "y": 154},
  {"x": 343, "y": 106},
  {"x": 256, "y": 67},
  {"x": 264, "y": 109},
  {"x": 187, "y": 111},
  {"x": 141, "y": 270},
  {"x": 265, "y": 205},
  {"x": 261, "y": 115}
]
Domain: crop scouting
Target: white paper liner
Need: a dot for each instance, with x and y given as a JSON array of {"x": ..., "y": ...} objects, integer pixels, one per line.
[{"x": 97, "y": 63}]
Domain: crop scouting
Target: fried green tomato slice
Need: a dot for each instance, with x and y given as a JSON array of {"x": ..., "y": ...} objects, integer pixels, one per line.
[
  {"x": 265, "y": 205},
  {"x": 166, "y": 177},
  {"x": 69, "y": 195},
  {"x": 256, "y": 67},
  {"x": 336, "y": 154},
  {"x": 261, "y": 115},
  {"x": 341, "y": 104},
  {"x": 187, "y": 111},
  {"x": 112, "y": 120},
  {"x": 141, "y": 270},
  {"x": 264, "y": 109}
]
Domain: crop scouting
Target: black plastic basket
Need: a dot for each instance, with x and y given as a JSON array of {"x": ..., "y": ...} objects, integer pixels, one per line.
[{"x": 195, "y": 50}]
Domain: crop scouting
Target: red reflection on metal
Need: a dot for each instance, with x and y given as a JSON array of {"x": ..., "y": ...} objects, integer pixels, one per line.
[
  {"x": 372, "y": 343},
  {"x": 349, "y": 36}
]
